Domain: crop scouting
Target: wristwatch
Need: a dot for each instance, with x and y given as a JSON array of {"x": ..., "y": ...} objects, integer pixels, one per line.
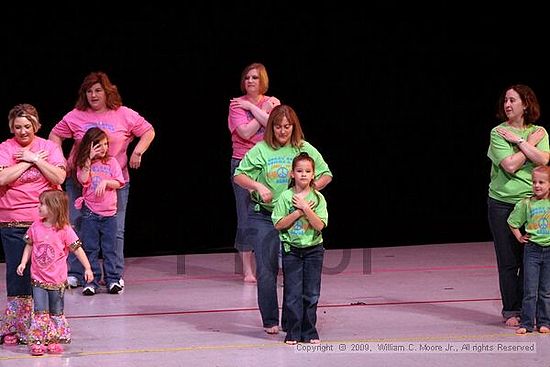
[{"x": 520, "y": 140}]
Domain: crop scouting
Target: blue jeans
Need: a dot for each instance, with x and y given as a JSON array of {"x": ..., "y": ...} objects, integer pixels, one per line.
[
  {"x": 48, "y": 300},
  {"x": 14, "y": 244},
  {"x": 536, "y": 285},
  {"x": 122, "y": 202},
  {"x": 242, "y": 202},
  {"x": 302, "y": 289},
  {"x": 509, "y": 255},
  {"x": 265, "y": 238},
  {"x": 98, "y": 233},
  {"x": 74, "y": 190}
]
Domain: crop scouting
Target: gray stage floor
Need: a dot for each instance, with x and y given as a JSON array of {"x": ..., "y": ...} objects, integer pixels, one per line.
[{"x": 431, "y": 305}]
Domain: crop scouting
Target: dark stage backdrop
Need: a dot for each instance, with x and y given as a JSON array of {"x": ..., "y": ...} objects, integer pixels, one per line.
[{"x": 399, "y": 103}]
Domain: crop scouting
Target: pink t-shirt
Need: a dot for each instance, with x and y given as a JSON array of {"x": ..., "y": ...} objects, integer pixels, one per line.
[
  {"x": 19, "y": 199},
  {"x": 238, "y": 116},
  {"x": 121, "y": 126},
  {"x": 106, "y": 204},
  {"x": 50, "y": 248}
]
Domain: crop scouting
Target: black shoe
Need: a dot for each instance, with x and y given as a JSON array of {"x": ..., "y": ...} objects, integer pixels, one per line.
[
  {"x": 88, "y": 291},
  {"x": 115, "y": 288}
]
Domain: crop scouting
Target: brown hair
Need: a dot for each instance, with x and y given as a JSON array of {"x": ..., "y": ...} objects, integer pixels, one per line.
[
  {"x": 303, "y": 156},
  {"x": 262, "y": 72},
  {"x": 275, "y": 117},
  {"x": 27, "y": 111},
  {"x": 112, "y": 98},
  {"x": 58, "y": 205},
  {"x": 92, "y": 136},
  {"x": 529, "y": 99}
]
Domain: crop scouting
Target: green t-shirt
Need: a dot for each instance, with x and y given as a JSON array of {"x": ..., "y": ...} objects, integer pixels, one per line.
[
  {"x": 534, "y": 214},
  {"x": 511, "y": 187},
  {"x": 301, "y": 234},
  {"x": 272, "y": 167}
]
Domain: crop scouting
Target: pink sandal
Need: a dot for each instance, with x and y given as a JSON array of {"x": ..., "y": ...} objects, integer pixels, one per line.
[
  {"x": 38, "y": 350},
  {"x": 11, "y": 339},
  {"x": 55, "y": 348}
]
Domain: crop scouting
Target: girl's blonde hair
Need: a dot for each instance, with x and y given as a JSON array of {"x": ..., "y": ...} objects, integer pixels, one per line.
[
  {"x": 545, "y": 170},
  {"x": 58, "y": 205}
]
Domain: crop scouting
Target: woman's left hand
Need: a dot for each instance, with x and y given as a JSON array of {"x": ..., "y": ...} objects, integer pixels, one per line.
[
  {"x": 135, "y": 160},
  {"x": 508, "y": 135}
]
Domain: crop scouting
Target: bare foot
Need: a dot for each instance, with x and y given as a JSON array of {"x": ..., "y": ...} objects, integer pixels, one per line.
[
  {"x": 249, "y": 279},
  {"x": 544, "y": 330},
  {"x": 513, "y": 321},
  {"x": 315, "y": 341},
  {"x": 291, "y": 342},
  {"x": 521, "y": 331},
  {"x": 272, "y": 330}
]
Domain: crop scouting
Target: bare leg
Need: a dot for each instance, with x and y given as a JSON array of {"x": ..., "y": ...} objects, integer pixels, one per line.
[{"x": 248, "y": 267}]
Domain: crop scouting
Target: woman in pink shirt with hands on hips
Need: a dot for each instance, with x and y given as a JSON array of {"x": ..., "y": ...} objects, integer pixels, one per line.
[{"x": 99, "y": 105}]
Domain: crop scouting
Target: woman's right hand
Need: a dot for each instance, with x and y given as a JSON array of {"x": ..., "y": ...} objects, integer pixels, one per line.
[{"x": 264, "y": 193}]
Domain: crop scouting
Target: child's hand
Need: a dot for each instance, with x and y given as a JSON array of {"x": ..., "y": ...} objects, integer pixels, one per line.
[
  {"x": 300, "y": 202},
  {"x": 20, "y": 269},
  {"x": 95, "y": 150},
  {"x": 100, "y": 188},
  {"x": 88, "y": 275}
]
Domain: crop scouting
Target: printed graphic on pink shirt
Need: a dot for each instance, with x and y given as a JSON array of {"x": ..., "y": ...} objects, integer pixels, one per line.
[{"x": 44, "y": 254}]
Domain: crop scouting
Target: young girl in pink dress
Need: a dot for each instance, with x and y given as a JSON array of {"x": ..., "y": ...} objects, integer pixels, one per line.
[{"x": 49, "y": 241}]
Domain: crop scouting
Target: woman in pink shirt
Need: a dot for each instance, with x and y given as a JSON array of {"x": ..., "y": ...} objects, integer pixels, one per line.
[
  {"x": 247, "y": 119},
  {"x": 99, "y": 105},
  {"x": 49, "y": 241},
  {"x": 29, "y": 165}
]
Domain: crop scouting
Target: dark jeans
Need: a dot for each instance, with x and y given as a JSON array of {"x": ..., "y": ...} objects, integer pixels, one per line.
[
  {"x": 302, "y": 275},
  {"x": 509, "y": 254},
  {"x": 98, "y": 233},
  {"x": 242, "y": 202},
  {"x": 265, "y": 237},
  {"x": 13, "y": 243},
  {"x": 536, "y": 285},
  {"x": 48, "y": 300}
]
